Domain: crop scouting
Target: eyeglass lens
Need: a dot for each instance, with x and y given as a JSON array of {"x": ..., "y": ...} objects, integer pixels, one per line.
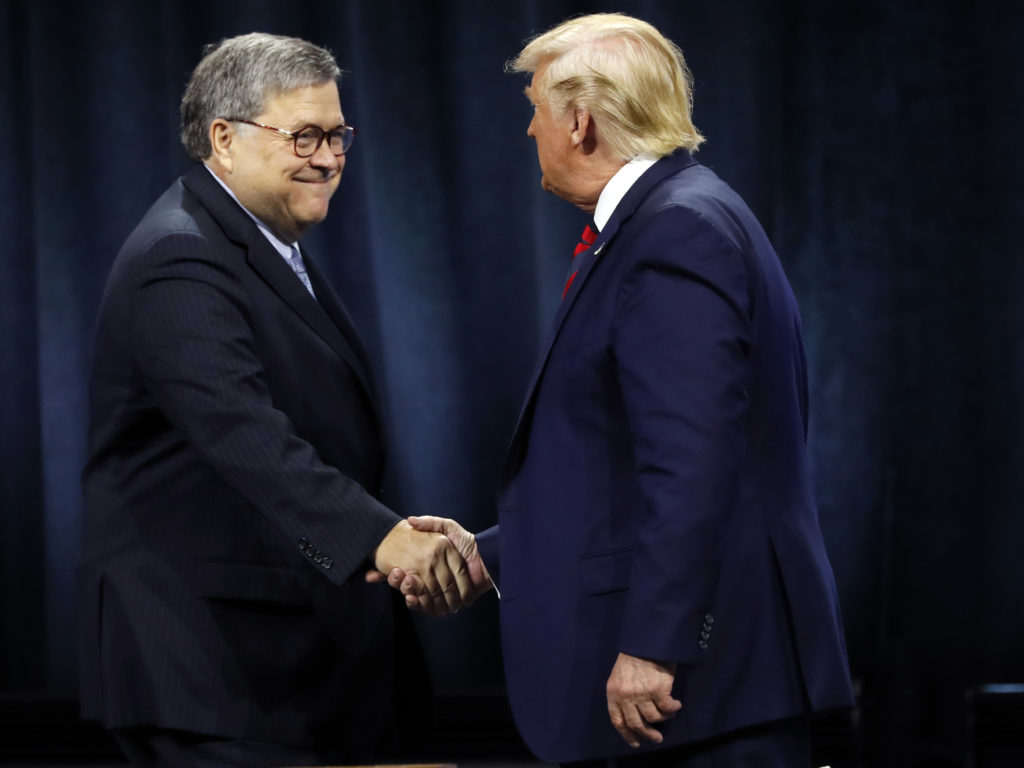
[{"x": 308, "y": 140}]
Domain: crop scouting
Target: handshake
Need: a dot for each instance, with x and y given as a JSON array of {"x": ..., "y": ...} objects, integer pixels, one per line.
[{"x": 433, "y": 562}]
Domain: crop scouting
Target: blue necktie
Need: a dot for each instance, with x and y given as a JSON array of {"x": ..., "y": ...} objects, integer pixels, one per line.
[{"x": 299, "y": 267}]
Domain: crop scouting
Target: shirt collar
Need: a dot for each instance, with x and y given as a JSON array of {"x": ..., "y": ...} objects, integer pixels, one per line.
[
  {"x": 285, "y": 249},
  {"x": 617, "y": 187}
]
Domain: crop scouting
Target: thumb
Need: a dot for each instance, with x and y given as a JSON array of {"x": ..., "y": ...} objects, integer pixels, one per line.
[{"x": 428, "y": 523}]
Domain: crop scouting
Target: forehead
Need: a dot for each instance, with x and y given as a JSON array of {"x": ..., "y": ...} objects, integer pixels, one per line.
[
  {"x": 534, "y": 89},
  {"x": 535, "y": 95}
]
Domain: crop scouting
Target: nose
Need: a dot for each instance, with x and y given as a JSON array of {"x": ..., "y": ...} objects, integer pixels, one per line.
[{"x": 324, "y": 158}]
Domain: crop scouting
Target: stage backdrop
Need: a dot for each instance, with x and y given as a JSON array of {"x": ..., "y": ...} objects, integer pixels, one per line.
[{"x": 876, "y": 141}]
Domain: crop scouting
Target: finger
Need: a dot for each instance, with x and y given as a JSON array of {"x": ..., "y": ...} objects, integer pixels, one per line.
[
  {"x": 412, "y": 585},
  {"x": 450, "y": 594},
  {"x": 413, "y": 603},
  {"x": 375, "y": 577},
  {"x": 463, "y": 580},
  {"x": 447, "y": 585},
  {"x": 431, "y": 584},
  {"x": 619, "y": 722},
  {"x": 396, "y": 577},
  {"x": 431, "y": 594},
  {"x": 651, "y": 714},
  {"x": 418, "y": 599},
  {"x": 648, "y": 712},
  {"x": 666, "y": 705},
  {"x": 639, "y": 727}
]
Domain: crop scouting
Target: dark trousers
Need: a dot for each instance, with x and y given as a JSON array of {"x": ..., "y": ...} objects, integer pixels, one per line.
[
  {"x": 780, "y": 744},
  {"x": 149, "y": 747}
]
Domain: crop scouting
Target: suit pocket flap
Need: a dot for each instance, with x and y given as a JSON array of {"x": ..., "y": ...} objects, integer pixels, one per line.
[
  {"x": 229, "y": 581},
  {"x": 607, "y": 572}
]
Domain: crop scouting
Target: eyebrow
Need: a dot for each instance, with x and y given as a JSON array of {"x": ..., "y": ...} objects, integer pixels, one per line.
[{"x": 306, "y": 125}]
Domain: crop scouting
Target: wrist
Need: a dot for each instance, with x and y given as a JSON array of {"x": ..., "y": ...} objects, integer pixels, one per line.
[{"x": 380, "y": 551}]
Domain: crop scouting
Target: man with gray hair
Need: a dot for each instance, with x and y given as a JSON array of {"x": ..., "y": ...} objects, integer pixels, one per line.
[
  {"x": 236, "y": 453},
  {"x": 666, "y": 598}
]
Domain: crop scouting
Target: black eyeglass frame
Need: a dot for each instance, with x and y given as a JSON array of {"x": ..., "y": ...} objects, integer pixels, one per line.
[{"x": 348, "y": 134}]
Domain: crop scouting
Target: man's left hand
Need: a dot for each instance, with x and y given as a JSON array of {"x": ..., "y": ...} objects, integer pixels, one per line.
[{"x": 639, "y": 696}]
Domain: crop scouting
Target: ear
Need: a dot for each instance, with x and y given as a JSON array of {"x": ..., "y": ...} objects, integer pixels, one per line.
[
  {"x": 222, "y": 135},
  {"x": 584, "y": 133}
]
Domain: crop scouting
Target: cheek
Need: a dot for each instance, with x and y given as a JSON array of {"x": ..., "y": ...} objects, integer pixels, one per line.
[{"x": 543, "y": 151}]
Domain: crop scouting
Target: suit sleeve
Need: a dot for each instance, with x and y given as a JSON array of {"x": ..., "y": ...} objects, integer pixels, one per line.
[
  {"x": 681, "y": 337},
  {"x": 195, "y": 350}
]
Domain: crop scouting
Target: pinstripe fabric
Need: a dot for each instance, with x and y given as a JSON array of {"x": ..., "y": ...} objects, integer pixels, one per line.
[{"x": 235, "y": 457}]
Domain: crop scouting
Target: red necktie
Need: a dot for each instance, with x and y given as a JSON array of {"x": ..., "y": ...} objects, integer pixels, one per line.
[{"x": 586, "y": 240}]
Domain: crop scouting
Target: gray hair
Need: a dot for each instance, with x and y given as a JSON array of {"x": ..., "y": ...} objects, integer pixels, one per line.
[{"x": 237, "y": 76}]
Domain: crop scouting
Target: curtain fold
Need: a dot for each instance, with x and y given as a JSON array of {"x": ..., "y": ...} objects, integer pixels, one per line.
[{"x": 877, "y": 143}]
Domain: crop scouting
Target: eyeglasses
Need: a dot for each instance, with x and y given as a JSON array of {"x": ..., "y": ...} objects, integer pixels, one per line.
[{"x": 308, "y": 140}]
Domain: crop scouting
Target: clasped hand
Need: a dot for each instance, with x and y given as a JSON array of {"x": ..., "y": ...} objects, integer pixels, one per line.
[{"x": 433, "y": 562}]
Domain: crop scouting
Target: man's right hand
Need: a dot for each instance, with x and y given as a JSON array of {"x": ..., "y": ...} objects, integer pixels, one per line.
[
  {"x": 412, "y": 587},
  {"x": 433, "y": 568}
]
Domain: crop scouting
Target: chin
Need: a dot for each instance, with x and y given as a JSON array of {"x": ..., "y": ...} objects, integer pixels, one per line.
[
  {"x": 314, "y": 210},
  {"x": 557, "y": 192}
]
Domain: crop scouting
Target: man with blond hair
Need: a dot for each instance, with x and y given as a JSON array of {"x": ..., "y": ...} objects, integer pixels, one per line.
[{"x": 665, "y": 590}]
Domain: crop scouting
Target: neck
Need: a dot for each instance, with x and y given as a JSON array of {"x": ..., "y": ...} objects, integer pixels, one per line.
[{"x": 591, "y": 180}]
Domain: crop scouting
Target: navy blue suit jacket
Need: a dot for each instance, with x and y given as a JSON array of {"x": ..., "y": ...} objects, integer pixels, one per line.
[
  {"x": 235, "y": 459},
  {"x": 656, "y": 499}
]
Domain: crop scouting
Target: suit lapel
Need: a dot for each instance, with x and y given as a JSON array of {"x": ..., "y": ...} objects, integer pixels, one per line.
[
  {"x": 329, "y": 303},
  {"x": 328, "y": 320},
  {"x": 656, "y": 174}
]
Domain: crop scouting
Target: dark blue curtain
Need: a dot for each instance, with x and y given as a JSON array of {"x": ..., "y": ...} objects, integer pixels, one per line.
[{"x": 877, "y": 142}]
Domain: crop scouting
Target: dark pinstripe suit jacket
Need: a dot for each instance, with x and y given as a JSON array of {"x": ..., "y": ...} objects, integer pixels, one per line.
[{"x": 235, "y": 457}]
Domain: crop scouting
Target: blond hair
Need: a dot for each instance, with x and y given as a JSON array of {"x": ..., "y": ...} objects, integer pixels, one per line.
[{"x": 625, "y": 73}]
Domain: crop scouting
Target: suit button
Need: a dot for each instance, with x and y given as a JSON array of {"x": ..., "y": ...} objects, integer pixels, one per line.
[
  {"x": 705, "y": 635},
  {"x": 318, "y": 558},
  {"x": 327, "y": 563},
  {"x": 703, "y": 645},
  {"x": 303, "y": 543},
  {"x": 709, "y": 619}
]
